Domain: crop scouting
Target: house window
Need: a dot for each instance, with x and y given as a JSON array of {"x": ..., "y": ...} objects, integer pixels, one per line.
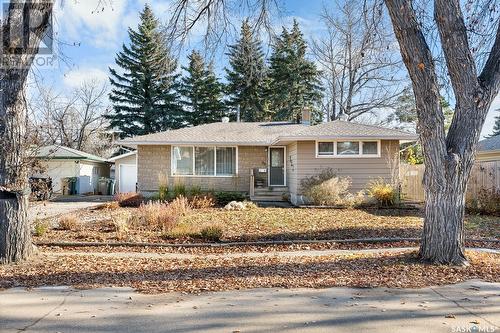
[
  {"x": 351, "y": 148},
  {"x": 348, "y": 148},
  {"x": 370, "y": 148},
  {"x": 325, "y": 148},
  {"x": 226, "y": 161},
  {"x": 182, "y": 160},
  {"x": 204, "y": 161}
]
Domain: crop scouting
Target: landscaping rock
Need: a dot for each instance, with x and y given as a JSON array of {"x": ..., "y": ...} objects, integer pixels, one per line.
[{"x": 238, "y": 205}]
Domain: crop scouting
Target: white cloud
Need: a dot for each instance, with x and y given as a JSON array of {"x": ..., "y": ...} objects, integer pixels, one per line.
[
  {"x": 84, "y": 21},
  {"x": 75, "y": 78}
]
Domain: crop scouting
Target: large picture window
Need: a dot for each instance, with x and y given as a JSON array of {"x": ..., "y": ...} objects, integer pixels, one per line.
[
  {"x": 204, "y": 161},
  {"x": 347, "y": 148}
]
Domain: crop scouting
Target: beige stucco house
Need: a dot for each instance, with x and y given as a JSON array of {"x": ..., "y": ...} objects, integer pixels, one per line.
[{"x": 266, "y": 160}]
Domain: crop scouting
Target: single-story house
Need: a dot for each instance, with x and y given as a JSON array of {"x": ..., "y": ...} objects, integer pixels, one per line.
[
  {"x": 266, "y": 160},
  {"x": 125, "y": 172},
  {"x": 489, "y": 149},
  {"x": 59, "y": 162}
]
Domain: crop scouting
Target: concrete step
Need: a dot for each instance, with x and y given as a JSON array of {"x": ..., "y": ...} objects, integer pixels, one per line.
[{"x": 267, "y": 198}]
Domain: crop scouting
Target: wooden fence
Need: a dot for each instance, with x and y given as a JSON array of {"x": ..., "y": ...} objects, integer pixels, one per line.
[{"x": 485, "y": 175}]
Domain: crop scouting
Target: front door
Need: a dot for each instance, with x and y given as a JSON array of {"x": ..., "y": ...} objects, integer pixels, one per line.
[{"x": 276, "y": 166}]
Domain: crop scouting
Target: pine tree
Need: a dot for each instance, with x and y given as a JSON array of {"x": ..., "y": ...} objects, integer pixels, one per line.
[
  {"x": 144, "y": 94},
  {"x": 496, "y": 126},
  {"x": 202, "y": 92},
  {"x": 246, "y": 76},
  {"x": 293, "y": 79}
]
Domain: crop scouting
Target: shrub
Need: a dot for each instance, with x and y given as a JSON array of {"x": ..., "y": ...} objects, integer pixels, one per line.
[
  {"x": 487, "y": 201},
  {"x": 120, "y": 224},
  {"x": 384, "y": 193},
  {"x": 332, "y": 192},
  {"x": 163, "y": 187},
  {"x": 223, "y": 198},
  {"x": 195, "y": 191},
  {"x": 162, "y": 217},
  {"x": 179, "y": 190},
  {"x": 156, "y": 216},
  {"x": 40, "y": 227},
  {"x": 179, "y": 206},
  {"x": 202, "y": 202},
  {"x": 129, "y": 199},
  {"x": 182, "y": 230},
  {"x": 212, "y": 233},
  {"x": 69, "y": 222},
  {"x": 324, "y": 175}
]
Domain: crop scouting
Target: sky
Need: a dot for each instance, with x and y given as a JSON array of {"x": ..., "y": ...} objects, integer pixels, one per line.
[{"x": 89, "y": 38}]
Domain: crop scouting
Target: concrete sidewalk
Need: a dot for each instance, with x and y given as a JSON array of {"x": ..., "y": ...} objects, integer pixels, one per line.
[{"x": 473, "y": 306}]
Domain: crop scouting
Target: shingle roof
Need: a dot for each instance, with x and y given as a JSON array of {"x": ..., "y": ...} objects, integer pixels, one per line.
[
  {"x": 492, "y": 143},
  {"x": 56, "y": 152},
  {"x": 266, "y": 133},
  {"x": 220, "y": 133},
  {"x": 345, "y": 129}
]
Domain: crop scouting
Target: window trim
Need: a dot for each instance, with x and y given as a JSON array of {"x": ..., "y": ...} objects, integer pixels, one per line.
[
  {"x": 172, "y": 174},
  {"x": 360, "y": 155}
]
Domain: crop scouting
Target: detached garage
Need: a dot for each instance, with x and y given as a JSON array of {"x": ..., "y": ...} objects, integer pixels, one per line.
[
  {"x": 59, "y": 163},
  {"x": 125, "y": 172}
]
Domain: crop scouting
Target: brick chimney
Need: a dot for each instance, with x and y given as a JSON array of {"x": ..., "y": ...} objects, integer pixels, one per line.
[{"x": 306, "y": 116}]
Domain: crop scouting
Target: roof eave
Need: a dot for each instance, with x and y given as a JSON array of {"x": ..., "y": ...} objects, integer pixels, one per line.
[{"x": 203, "y": 143}]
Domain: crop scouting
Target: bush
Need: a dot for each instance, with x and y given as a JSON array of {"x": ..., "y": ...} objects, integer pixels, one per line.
[
  {"x": 179, "y": 190},
  {"x": 487, "y": 201},
  {"x": 384, "y": 193},
  {"x": 223, "y": 198},
  {"x": 163, "y": 217},
  {"x": 202, "y": 202},
  {"x": 195, "y": 191},
  {"x": 40, "y": 227},
  {"x": 326, "y": 189},
  {"x": 324, "y": 175},
  {"x": 120, "y": 224},
  {"x": 129, "y": 199},
  {"x": 69, "y": 222},
  {"x": 212, "y": 233}
]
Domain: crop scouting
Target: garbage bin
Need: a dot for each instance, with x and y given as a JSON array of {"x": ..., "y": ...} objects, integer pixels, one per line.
[
  {"x": 111, "y": 186},
  {"x": 102, "y": 186},
  {"x": 72, "y": 182}
]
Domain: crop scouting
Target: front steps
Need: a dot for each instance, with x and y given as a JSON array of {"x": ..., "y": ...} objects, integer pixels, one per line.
[{"x": 270, "y": 194}]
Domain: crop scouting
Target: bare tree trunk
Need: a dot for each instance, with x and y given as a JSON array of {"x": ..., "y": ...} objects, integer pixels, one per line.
[
  {"x": 17, "y": 53},
  {"x": 448, "y": 158},
  {"x": 15, "y": 233}
]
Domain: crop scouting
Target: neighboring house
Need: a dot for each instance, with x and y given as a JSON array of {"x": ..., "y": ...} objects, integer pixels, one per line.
[
  {"x": 125, "y": 172},
  {"x": 58, "y": 162},
  {"x": 266, "y": 160},
  {"x": 489, "y": 149}
]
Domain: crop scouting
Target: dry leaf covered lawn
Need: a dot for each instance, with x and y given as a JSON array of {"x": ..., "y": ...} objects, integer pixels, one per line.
[
  {"x": 213, "y": 274},
  {"x": 272, "y": 224}
]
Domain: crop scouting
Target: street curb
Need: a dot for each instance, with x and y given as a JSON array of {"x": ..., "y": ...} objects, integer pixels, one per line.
[{"x": 235, "y": 244}]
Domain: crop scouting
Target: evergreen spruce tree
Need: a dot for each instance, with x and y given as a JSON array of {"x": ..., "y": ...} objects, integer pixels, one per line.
[
  {"x": 246, "y": 76},
  {"x": 496, "y": 126},
  {"x": 202, "y": 92},
  {"x": 293, "y": 79},
  {"x": 144, "y": 94}
]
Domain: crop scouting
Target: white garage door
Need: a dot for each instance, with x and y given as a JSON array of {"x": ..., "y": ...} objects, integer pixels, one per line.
[{"x": 128, "y": 178}]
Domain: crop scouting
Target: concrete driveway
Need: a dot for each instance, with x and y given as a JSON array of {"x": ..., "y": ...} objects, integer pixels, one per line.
[
  {"x": 473, "y": 306},
  {"x": 65, "y": 204}
]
